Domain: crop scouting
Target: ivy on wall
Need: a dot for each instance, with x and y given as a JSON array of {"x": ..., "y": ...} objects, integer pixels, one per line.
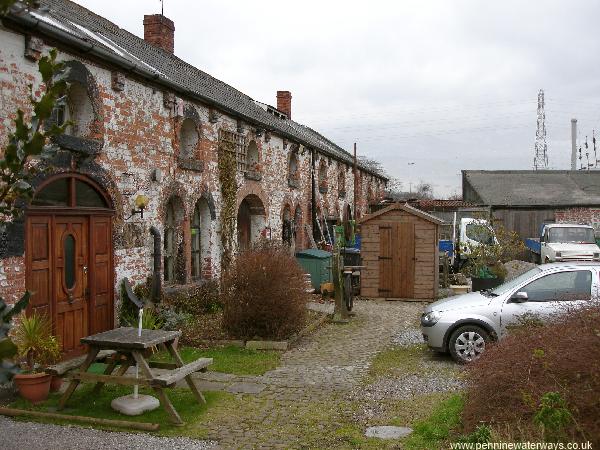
[{"x": 227, "y": 174}]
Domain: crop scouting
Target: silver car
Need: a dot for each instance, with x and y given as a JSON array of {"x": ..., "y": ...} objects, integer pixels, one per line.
[{"x": 464, "y": 324}]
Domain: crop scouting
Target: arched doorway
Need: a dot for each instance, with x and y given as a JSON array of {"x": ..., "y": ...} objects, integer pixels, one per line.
[
  {"x": 200, "y": 238},
  {"x": 69, "y": 258},
  {"x": 298, "y": 230},
  {"x": 286, "y": 226},
  {"x": 251, "y": 221}
]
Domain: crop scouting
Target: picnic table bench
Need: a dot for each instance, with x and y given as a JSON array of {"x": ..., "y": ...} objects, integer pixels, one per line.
[{"x": 129, "y": 349}]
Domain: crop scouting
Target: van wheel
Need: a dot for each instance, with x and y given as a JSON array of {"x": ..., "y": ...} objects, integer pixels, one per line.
[{"x": 467, "y": 343}]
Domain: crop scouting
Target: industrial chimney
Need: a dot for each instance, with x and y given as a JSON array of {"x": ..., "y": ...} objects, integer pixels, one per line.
[
  {"x": 573, "y": 144},
  {"x": 160, "y": 32}
]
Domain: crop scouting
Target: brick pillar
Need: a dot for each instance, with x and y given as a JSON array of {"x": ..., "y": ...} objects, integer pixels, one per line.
[
  {"x": 284, "y": 102},
  {"x": 160, "y": 32}
]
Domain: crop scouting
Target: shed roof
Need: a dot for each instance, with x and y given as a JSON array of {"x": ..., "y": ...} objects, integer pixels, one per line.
[
  {"x": 536, "y": 188},
  {"x": 64, "y": 20},
  {"x": 403, "y": 207}
]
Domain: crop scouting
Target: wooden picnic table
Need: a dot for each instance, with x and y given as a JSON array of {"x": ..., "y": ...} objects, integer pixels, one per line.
[{"x": 130, "y": 349}]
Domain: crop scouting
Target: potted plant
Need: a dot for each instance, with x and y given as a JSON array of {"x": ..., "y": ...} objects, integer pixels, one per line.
[
  {"x": 486, "y": 260},
  {"x": 37, "y": 346}
]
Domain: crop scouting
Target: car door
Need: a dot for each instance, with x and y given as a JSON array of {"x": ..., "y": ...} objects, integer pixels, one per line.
[{"x": 549, "y": 295}]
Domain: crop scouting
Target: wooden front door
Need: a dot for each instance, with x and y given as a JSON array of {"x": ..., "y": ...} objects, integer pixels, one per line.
[
  {"x": 71, "y": 292},
  {"x": 396, "y": 260},
  {"x": 68, "y": 259}
]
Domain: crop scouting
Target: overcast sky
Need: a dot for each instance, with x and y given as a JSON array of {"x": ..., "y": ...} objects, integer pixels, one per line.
[{"x": 446, "y": 85}]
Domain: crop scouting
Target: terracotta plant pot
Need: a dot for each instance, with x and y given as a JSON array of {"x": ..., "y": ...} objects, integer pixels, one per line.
[
  {"x": 34, "y": 387},
  {"x": 56, "y": 383}
]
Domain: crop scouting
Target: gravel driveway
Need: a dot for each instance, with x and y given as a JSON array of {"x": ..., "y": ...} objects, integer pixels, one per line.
[{"x": 18, "y": 435}]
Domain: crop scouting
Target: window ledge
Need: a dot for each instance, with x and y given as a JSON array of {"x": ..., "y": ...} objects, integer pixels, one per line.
[
  {"x": 77, "y": 144},
  {"x": 253, "y": 175},
  {"x": 190, "y": 164}
]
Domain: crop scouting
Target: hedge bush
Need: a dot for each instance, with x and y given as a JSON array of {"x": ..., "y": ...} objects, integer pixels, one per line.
[
  {"x": 264, "y": 294},
  {"x": 541, "y": 381}
]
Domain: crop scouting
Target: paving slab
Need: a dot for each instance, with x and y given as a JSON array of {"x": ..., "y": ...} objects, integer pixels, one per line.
[
  {"x": 204, "y": 385},
  {"x": 388, "y": 432},
  {"x": 246, "y": 388}
]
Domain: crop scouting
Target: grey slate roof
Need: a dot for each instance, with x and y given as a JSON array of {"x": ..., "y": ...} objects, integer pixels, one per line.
[
  {"x": 522, "y": 188},
  {"x": 82, "y": 23}
]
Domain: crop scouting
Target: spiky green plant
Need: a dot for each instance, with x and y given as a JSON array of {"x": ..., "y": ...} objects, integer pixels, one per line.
[{"x": 34, "y": 340}]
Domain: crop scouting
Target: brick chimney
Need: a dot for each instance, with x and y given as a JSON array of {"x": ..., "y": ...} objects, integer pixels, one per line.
[
  {"x": 284, "y": 102},
  {"x": 160, "y": 32}
]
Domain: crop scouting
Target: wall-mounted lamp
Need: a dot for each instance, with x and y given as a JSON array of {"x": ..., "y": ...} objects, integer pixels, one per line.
[{"x": 141, "y": 203}]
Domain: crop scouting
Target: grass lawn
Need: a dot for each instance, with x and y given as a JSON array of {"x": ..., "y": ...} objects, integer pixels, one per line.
[
  {"x": 437, "y": 428},
  {"x": 84, "y": 403},
  {"x": 231, "y": 359}
]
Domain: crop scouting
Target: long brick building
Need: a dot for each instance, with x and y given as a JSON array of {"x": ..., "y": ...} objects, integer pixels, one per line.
[{"x": 146, "y": 124}]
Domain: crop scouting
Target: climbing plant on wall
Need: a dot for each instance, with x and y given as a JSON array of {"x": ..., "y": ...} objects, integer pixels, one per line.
[
  {"x": 29, "y": 139},
  {"x": 227, "y": 173}
]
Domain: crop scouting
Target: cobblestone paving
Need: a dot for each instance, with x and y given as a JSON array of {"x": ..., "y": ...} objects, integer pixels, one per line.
[{"x": 308, "y": 395}]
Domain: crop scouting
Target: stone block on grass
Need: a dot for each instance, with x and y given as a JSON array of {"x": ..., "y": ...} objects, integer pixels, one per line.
[{"x": 267, "y": 345}]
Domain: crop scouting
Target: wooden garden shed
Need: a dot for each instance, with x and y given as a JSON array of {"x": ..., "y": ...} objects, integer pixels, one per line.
[{"x": 399, "y": 249}]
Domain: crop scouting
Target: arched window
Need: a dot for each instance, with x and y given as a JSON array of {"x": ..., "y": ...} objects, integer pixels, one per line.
[
  {"x": 252, "y": 159},
  {"x": 342, "y": 183},
  {"x": 188, "y": 139},
  {"x": 293, "y": 171},
  {"x": 70, "y": 191},
  {"x": 200, "y": 237},
  {"x": 170, "y": 249},
  {"x": 195, "y": 237},
  {"x": 77, "y": 109},
  {"x": 323, "y": 176}
]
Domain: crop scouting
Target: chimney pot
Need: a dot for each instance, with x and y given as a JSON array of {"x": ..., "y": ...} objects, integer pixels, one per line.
[
  {"x": 160, "y": 32},
  {"x": 284, "y": 102}
]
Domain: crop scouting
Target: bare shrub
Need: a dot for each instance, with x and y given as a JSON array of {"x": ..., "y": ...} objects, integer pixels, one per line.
[
  {"x": 195, "y": 299},
  {"x": 263, "y": 293},
  {"x": 513, "y": 382}
]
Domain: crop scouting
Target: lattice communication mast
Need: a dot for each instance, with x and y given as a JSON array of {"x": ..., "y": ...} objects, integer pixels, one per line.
[{"x": 540, "y": 161}]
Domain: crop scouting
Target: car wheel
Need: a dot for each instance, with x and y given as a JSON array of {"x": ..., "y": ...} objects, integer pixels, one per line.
[{"x": 467, "y": 343}]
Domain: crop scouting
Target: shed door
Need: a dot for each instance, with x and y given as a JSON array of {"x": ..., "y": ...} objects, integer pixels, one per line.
[{"x": 397, "y": 260}]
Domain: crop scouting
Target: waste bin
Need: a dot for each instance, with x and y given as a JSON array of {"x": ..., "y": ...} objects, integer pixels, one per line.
[
  {"x": 317, "y": 263},
  {"x": 351, "y": 256}
]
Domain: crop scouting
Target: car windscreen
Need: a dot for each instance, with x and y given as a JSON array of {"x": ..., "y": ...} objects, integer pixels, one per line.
[
  {"x": 511, "y": 284},
  {"x": 480, "y": 233},
  {"x": 571, "y": 234}
]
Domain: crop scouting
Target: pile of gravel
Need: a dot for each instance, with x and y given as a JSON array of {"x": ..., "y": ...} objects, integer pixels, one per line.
[
  {"x": 34, "y": 436},
  {"x": 406, "y": 338},
  {"x": 410, "y": 386}
]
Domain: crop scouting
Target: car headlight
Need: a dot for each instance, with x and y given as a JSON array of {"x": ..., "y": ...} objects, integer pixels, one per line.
[
  {"x": 429, "y": 319},
  {"x": 558, "y": 254},
  {"x": 596, "y": 255}
]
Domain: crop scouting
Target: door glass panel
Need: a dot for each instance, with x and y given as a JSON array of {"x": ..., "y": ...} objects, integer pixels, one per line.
[
  {"x": 55, "y": 194},
  {"x": 69, "y": 260},
  {"x": 87, "y": 196}
]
